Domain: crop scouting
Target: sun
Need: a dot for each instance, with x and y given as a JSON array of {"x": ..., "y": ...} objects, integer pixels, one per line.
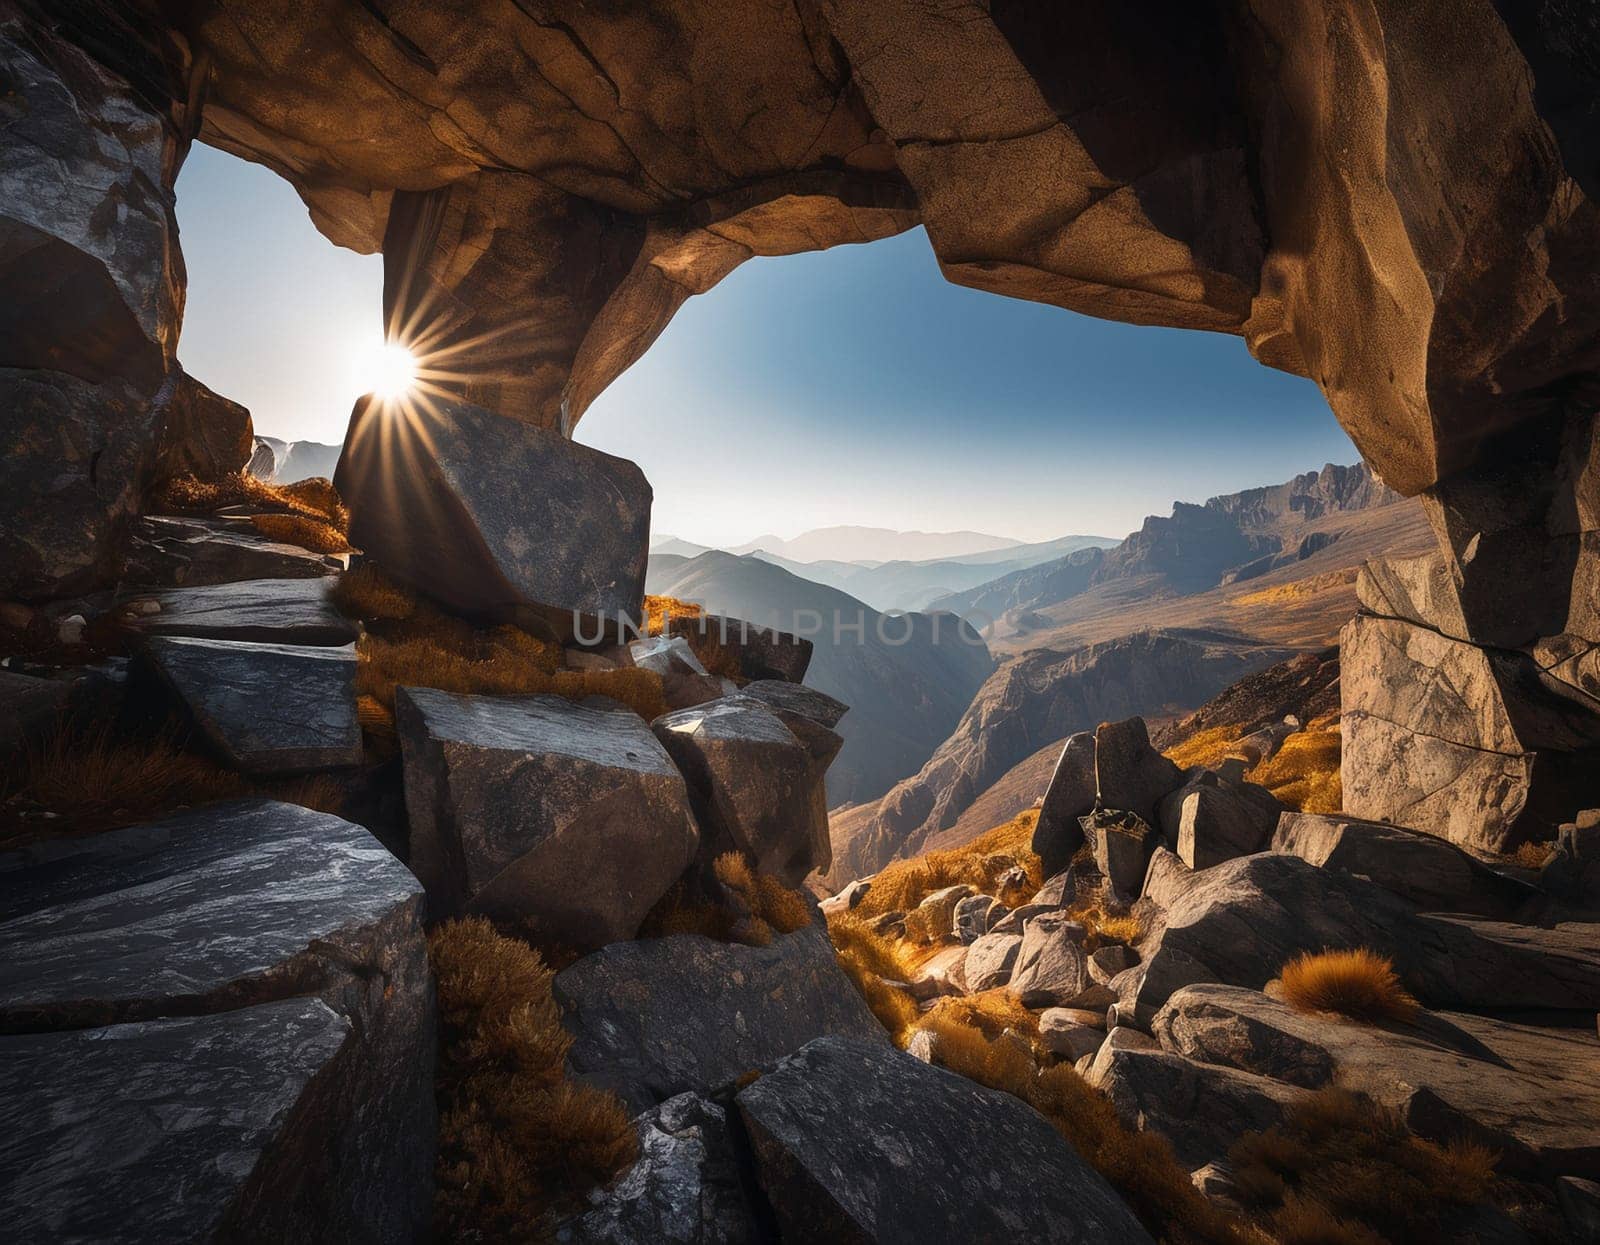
[{"x": 387, "y": 370}]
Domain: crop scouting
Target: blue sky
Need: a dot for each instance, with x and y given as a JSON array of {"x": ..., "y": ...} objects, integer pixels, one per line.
[{"x": 847, "y": 386}]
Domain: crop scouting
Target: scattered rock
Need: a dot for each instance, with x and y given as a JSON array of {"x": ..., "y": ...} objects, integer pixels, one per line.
[
  {"x": 849, "y": 898},
  {"x": 1166, "y": 879},
  {"x": 1573, "y": 870},
  {"x": 217, "y": 916},
  {"x": 1071, "y": 794},
  {"x": 1109, "y": 960},
  {"x": 754, "y": 785},
  {"x": 537, "y": 810},
  {"x": 499, "y": 517},
  {"x": 666, "y": 1016},
  {"x": 685, "y": 691},
  {"x": 1014, "y": 921},
  {"x": 268, "y": 708},
  {"x": 1521, "y": 1090},
  {"x": 1066, "y": 1036},
  {"x": 856, "y": 1141},
  {"x": 1129, "y": 773},
  {"x": 665, "y": 655},
  {"x": 1123, "y": 843},
  {"x": 761, "y": 652},
  {"x": 1058, "y": 889},
  {"x": 942, "y": 973},
  {"x": 1200, "y": 1109},
  {"x": 264, "y": 611},
  {"x": 685, "y": 1188},
  {"x": 989, "y": 961},
  {"x": 1209, "y": 821},
  {"x": 796, "y": 697},
  {"x": 69, "y": 631},
  {"x": 1051, "y": 968},
  {"x": 975, "y": 916},
  {"x": 1425, "y": 869}
]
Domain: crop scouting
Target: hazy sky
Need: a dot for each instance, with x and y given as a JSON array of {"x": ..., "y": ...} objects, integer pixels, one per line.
[{"x": 847, "y": 386}]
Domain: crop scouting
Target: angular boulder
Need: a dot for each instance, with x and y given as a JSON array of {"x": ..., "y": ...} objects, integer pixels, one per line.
[
  {"x": 989, "y": 961},
  {"x": 497, "y": 517},
  {"x": 754, "y": 784},
  {"x": 1208, "y": 821},
  {"x": 665, "y": 655},
  {"x": 792, "y": 697},
  {"x": 1066, "y": 1035},
  {"x": 759, "y": 653},
  {"x": 1423, "y": 868},
  {"x": 1070, "y": 795},
  {"x": 1129, "y": 773},
  {"x": 266, "y": 611},
  {"x": 856, "y": 1141},
  {"x": 665, "y": 1016},
  {"x": 1573, "y": 871},
  {"x": 203, "y": 434},
  {"x": 1123, "y": 843},
  {"x": 1522, "y": 1090},
  {"x": 1051, "y": 968},
  {"x": 267, "y": 708},
  {"x": 570, "y": 818},
  {"x": 685, "y": 1188},
  {"x": 248, "y": 979},
  {"x": 975, "y": 916},
  {"x": 185, "y": 551}
]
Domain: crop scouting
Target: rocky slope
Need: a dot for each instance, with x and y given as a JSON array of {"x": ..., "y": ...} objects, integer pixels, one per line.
[
  {"x": 906, "y": 679},
  {"x": 1036, "y": 698}
]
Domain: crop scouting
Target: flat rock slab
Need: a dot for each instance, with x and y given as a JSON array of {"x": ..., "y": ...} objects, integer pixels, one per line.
[
  {"x": 179, "y": 551},
  {"x": 225, "y": 908},
  {"x": 664, "y": 1016},
  {"x": 856, "y": 1141},
  {"x": 797, "y": 698},
  {"x": 176, "y": 1130},
  {"x": 1528, "y": 1092},
  {"x": 268, "y": 708},
  {"x": 761, "y": 652},
  {"x": 535, "y": 809},
  {"x": 268, "y": 611}
]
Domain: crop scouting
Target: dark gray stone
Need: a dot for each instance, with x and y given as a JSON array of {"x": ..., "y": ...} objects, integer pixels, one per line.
[
  {"x": 755, "y": 785},
  {"x": 1427, "y": 870},
  {"x": 989, "y": 961},
  {"x": 495, "y": 516},
  {"x": 268, "y": 708},
  {"x": 1109, "y": 960},
  {"x": 1051, "y": 968},
  {"x": 1070, "y": 795},
  {"x": 855, "y": 1141},
  {"x": 665, "y": 1016},
  {"x": 30, "y": 709},
  {"x": 264, "y": 611},
  {"x": 665, "y": 655},
  {"x": 203, "y": 434},
  {"x": 178, "y": 551},
  {"x": 1580, "y": 1205},
  {"x": 685, "y": 1188},
  {"x": 569, "y": 817},
  {"x": 798, "y": 698},
  {"x": 1123, "y": 842},
  {"x": 222, "y": 909},
  {"x": 1129, "y": 773},
  {"x": 762, "y": 653},
  {"x": 194, "y": 1129},
  {"x": 1573, "y": 871}
]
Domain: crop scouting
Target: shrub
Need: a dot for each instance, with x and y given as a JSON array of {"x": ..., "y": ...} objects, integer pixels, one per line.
[
  {"x": 517, "y": 1139},
  {"x": 299, "y": 529},
  {"x": 1342, "y": 1168},
  {"x": 314, "y": 498},
  {"x": 1360, "y": 984},
  {"x": 903, "y": 884},
  {"x": 749, "y": 907}
]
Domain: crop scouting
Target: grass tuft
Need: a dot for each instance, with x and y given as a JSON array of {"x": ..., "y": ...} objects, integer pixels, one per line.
[
  {"x": 871, "y": 962},
  {"x": 747, "y": 908},
  {"x": 315, "y": 498},
  {"x": 658, "y": 609},
  {"x": 298, "y": 529},
  {"x": 1304, "y": 772},
  {"x": 1359, "y": 984},
  {"x": 903, "y": 884},
  {"x": 365, "y": 592},
  {"x": 517, "y": 1140}
]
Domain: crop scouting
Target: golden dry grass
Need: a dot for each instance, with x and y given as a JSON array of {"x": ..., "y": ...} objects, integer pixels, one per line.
[
  {"x": 1299, "y": 589},
  {"x": 314, "y": 498},
  {"x": 657, "y": 609},
  {"x": 1210, "y": 748},
  {"x": 1304, "y": 772},
  {"x": 94, "y": 780},
  {"x": 517, "y": 1139},
  {"x": 1359, "y": 984},
  {"x": 746, "y": 907},
  {"x": 870, "y": 962},
  {"x": 297, "y": 529},
  {"x": 1532, "y": 855},
  {"x": 365, "y": 592},
  {"x": 903, "y": 884},
  {"x": 1342, "y": 1169}
]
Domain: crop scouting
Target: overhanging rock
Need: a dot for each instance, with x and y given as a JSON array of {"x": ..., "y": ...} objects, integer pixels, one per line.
[{"x": 494, "y": 517}]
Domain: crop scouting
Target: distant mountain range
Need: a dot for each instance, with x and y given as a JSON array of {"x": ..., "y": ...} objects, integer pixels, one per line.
[
  {"x": 868, "y": 545},
  {"x": 900, "y": 583},
  {"x": 906, "y": 679}
]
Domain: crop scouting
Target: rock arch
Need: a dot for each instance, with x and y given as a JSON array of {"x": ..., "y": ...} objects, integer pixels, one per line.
[{"x": 1397, "y": 199}]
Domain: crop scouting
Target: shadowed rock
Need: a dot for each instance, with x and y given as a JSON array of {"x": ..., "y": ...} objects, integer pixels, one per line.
[
  {"x": 794, "y": 697},
  {"x": 1123, "y": 844},
  {"x": 1209, "y": 820},
  {"x": 209, "y": 915},
  {"x": 663, "y": 1016},
  {"x": 1129, "y": 773},
  {"x": 203, "y": 434},
  {"x": 1071, "y": 794},
  {"x": 762, "y": 653},
  {"x": 268, "y": 708},
  {"x": 855, "y": 1141},
  {"x": 495, "y": 517},
  {"x": 171, "y": 551},
  {"x": 685, "y": 1188},
  {"x": 1523, "y": 1091},
  {"x": 534, "y": 809},
  {"x": 754, "y": 785},
  {"x": 266, "y": 611},
  {"x": 30, "y": 709}
]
